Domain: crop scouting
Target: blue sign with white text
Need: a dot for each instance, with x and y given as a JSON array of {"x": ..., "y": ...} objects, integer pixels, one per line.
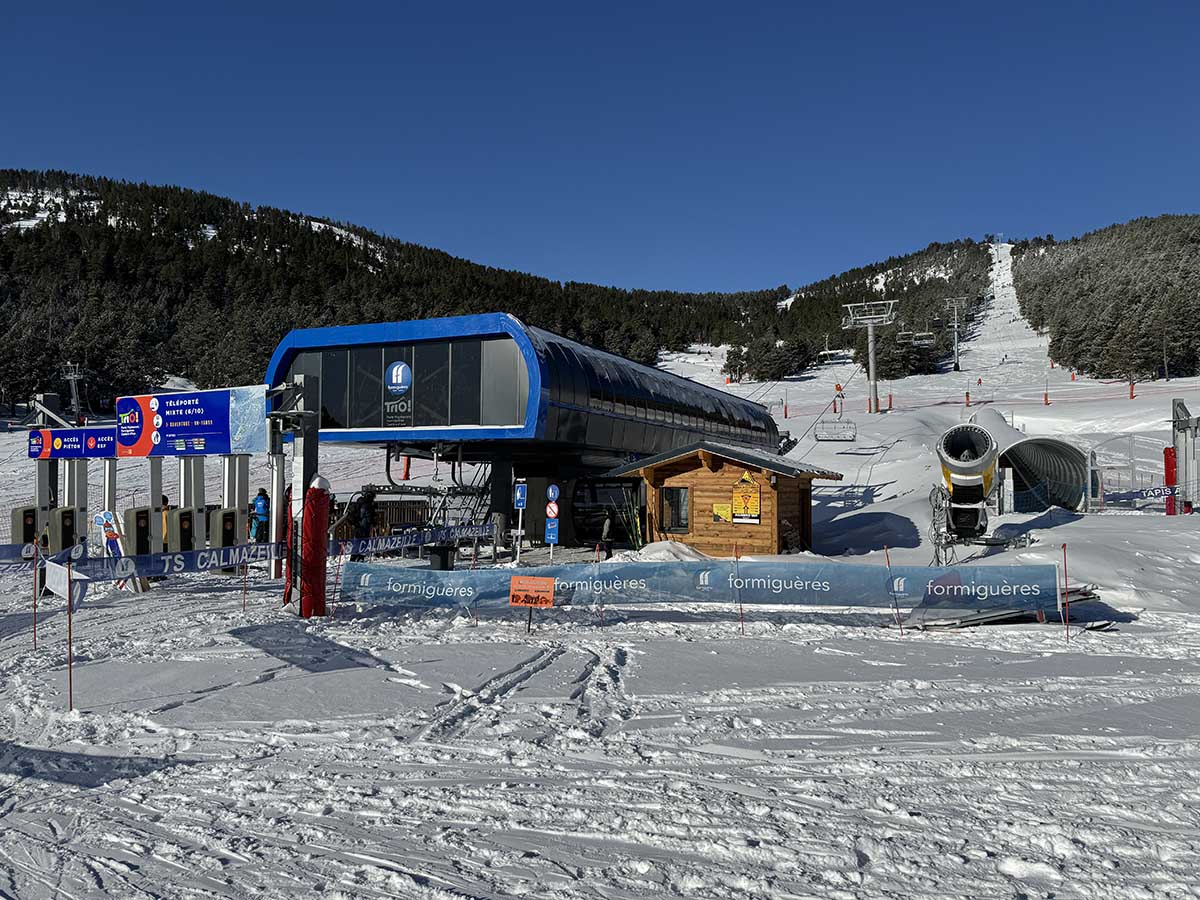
[
  {"x": 520, "y": 492},
  {"x": 552, "y": 531},
  {"x": 73, "y": 443},
  {"x": 193, "y": 423}
]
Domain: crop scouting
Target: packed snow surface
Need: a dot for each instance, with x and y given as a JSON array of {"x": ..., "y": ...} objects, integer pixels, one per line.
[{"x": 217, "y": 751}]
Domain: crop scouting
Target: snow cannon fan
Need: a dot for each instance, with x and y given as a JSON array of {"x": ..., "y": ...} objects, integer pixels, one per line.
[{"x": 968, "y": 455}]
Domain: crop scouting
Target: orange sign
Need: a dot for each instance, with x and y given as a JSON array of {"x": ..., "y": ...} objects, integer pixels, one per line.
[{"x": 530, "y": 590}]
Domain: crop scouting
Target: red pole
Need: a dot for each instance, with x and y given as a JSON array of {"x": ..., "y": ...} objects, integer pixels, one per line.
[
  {"x": 1066, "y": 596},
  {"x": 407, "y": 464},
  {"x": 1169, "y": 477},
  {"x": 1131, "y": 390},
  {"x": 889, "y": 399},
  {"x": 36, "y": 547},
  {"x": 314, "y": 540},
  {"x": 741, "y": 611},
  {"x": 70, "y": 651},
  {"x": 1046, "y": 398}
]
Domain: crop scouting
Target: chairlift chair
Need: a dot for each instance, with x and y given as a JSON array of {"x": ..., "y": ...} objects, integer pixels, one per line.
[
  {"x": 924, "y": 339},
  {"x": 904, "y": 337},
  {"x": 835, "y": 430}
]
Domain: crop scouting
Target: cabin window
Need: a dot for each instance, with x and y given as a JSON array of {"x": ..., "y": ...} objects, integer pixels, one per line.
[{"x": 675, "y": 509}]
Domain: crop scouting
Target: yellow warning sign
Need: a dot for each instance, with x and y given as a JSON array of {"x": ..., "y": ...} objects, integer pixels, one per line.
[
  {"x": 747, "y": 501},
  {"x": 722, "y": 512}
]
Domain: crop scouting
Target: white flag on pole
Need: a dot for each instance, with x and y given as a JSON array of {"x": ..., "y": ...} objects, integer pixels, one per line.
[{"x": 56, "y": 582}]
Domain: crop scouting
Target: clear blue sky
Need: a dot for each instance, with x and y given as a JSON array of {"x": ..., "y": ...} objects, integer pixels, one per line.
[{"x": 670, "y": 145}]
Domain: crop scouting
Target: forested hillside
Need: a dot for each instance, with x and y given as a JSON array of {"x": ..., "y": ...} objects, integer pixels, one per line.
[
  {"x": 920, "y": 282},
  {"x": 1120, "y": 302},
  {"x": 135, "y": 281}
]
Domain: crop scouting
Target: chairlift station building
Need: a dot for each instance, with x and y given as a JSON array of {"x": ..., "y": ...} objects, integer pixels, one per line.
[{"x": 489, "y": 389}]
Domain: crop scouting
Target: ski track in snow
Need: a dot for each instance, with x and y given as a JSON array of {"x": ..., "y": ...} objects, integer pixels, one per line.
[{"x": 216, "y": 753}]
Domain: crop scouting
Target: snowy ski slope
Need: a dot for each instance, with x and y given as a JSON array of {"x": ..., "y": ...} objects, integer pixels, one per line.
[{"x": 222, "y": 753}]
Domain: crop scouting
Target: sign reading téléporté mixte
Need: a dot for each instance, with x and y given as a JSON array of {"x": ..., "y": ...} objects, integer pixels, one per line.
[{"x": 193, "y": 423}]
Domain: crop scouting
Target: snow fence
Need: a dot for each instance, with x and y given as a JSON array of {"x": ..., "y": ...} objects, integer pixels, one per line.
[{"x": 820, "y": 584}]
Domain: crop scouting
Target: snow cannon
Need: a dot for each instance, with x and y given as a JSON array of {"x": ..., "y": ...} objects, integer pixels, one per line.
[{"x": 969, "y": 456}]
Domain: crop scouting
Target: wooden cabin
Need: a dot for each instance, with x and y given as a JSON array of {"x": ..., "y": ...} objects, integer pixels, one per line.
[{"x": 714, "y": 496}]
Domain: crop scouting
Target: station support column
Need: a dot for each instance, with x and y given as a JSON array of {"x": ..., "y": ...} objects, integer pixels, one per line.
[
  {"x": 279, "y": 511},
  {"x": 156, "y": 507},
  {"x": 199, "y": 503}
]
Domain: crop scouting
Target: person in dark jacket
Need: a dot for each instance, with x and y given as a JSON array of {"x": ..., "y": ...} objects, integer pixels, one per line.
[
  {"x": 363, "y": 520},
  {"x": 606, "y": 533}
]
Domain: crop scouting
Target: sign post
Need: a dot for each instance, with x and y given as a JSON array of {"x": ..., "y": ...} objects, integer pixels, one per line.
[
  {"x": 552, "y": 518},
  {"x": 60, "y": 582},
  {"x": 520, "y": 495},
  {"x": 530, "y": 591}
]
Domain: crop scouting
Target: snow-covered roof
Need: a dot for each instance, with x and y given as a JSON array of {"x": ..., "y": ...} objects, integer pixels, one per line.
[{"x": 780, "y": 465}]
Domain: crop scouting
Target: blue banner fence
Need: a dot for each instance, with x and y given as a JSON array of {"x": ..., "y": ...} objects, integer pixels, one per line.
[{"x": 815, "y": 584}]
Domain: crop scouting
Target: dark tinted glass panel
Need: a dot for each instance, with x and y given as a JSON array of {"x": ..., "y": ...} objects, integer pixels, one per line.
[
  {"x": 466, "y": 362},
  {"x": 504, "y": 383},
  {"x": 366, "y": 384},
  {"x": 431, "y": 383},
  {"x": 334, "y": 384}
]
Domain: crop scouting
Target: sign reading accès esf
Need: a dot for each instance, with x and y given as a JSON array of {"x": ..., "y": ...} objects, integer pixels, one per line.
[
  {"x": 552, "y": 531},
  {"x": 73, "y": 443},
  {"x": 193, "y": 423}
]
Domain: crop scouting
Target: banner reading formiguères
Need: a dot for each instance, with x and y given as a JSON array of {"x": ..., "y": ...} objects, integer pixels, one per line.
[{"x": 719, "y": 581}]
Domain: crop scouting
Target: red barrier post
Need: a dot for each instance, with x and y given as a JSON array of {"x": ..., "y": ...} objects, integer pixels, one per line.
[
  {"x": 314, "y": 550},
  {"x": 36, "y": 547},
  {"x": 407, "y": 468},
  {"x": 741, "y": 612},
  {"x": 889, "y": 400},
  {"x": 1046, "y": 397},
  {"x": 1169, "y": 477},
  {"x": 1131, "y": 390},
  {"x": 70, "y": 648}
]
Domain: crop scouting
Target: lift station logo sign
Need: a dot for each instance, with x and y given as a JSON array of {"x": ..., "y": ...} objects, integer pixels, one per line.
[
  {"x": 193, "y": 423},
  {"x": 398, "y": 402},
  {"x": 73, "y": 443}
]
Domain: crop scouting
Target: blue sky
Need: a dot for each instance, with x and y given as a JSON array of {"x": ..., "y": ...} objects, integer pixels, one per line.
[{"x": 668, "y": 145}]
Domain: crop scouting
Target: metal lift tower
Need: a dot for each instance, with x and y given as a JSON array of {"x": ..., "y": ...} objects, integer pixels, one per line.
[
  {"x": 869, "y": 316},
  {"x": 953, "y": 303}
]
